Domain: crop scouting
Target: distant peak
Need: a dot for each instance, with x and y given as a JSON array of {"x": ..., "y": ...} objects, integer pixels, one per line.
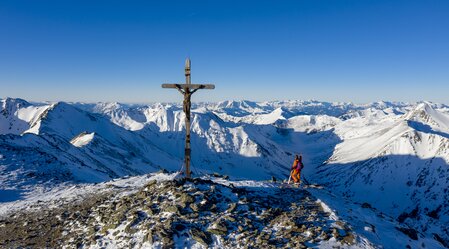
[
  {"x": 425, "y": 113},
  {"x": 60, "y": 104},
  {"x": 281, "y": 109},
  {"x": 424, "y": 106},
  {"x": 16, "y": 101}
]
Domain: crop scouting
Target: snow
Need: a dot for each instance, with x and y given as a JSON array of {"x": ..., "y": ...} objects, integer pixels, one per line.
[
  {"x": 375, "y": 226},
  {"x": 67, "y": 193},
  {"x": 327, "y": 209},
  {"x": 19, "y": 115},
  {"x": 391, "y": 155},
  {"x": 82, "y": 139},
  {"x": 63, "y": 194}
]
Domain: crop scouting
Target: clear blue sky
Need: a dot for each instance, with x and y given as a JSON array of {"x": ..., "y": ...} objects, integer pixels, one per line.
[{"x": 348, "y": 50}]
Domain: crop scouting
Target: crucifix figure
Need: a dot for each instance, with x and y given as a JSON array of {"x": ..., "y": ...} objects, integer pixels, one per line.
[{"x": 187, "y": 90}]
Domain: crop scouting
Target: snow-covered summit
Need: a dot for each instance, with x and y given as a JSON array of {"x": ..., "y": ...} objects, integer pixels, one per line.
[
  {"x": 424, "y": 113},
  {"x": 392, "y": 156},
  {"x": 238, "y": 108},
  {"x": 17, "y": 115}
]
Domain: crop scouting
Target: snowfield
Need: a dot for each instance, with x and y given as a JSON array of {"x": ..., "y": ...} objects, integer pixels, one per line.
[{"x": 381, "y": 168}]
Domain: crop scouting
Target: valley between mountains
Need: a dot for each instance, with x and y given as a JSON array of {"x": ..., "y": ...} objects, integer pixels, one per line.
[{"x": 104, "y": 175}]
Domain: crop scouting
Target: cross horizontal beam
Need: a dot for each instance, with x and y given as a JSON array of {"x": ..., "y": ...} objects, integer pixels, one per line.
[{"x": 189, "y": 86}]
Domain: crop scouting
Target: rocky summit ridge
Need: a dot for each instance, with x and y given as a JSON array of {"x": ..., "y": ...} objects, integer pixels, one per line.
[{"x": 199, "y": 213}]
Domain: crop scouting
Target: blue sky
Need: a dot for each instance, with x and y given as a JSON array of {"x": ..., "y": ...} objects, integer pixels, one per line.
[{"x": 358, "y": 51}]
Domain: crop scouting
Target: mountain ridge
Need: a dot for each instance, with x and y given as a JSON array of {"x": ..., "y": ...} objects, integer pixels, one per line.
[{"x": 397, "y": 152}]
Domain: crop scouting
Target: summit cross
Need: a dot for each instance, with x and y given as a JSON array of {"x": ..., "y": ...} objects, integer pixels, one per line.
[{"x": 187, "y": 90}]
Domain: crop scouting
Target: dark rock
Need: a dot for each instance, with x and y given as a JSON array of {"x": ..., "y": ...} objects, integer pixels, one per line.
[
  {"x": 129, "y": 229},
  {"x": 441, "y": 240},
  {"x": 148, "y": 237},
  {"x": 194, "y": 207},
  {"x": 218, "y": 228},
  {"x": 178, "y": 227},
  {"x": 410, "y": 232},
  {"x": 348, "y": 239},
  {"x": 413, "y": 214},
  {"x": 230, "y": 218},
  {"x": 201, "y": 237},
  {"x": 171, "y": 209},
  {"x": 167, "y": 242},
  {"x": 335, "y": 233},
  {"x": 186, "y": 198},
  {"x": 151, "y": 183},
  {"x": 232, "y": 207},
  {"x": 435, "y": 213},
  {"x": 366, "y": 205}
]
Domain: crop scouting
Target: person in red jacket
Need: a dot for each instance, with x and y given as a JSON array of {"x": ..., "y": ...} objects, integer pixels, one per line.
[{"x": 296, "y": 169}]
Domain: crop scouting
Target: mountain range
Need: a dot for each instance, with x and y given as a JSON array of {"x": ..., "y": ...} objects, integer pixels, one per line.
[{"x": 390, "y": 156}]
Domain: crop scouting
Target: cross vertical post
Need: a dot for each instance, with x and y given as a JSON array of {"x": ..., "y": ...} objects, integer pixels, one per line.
[
  {"x": 186, "y": 107},
  {"x": 187, "y": 90}
]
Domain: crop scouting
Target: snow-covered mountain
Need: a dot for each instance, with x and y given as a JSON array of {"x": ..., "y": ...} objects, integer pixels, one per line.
[
  {"x": 391, "y": 156},
  {"x": 17, "y": 115},
  {"x": 399, "y": 166},
  {"x": 61, "y": 142}
]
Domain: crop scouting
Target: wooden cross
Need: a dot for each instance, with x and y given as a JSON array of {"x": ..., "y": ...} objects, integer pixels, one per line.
[{"x": 187, "y": 90}]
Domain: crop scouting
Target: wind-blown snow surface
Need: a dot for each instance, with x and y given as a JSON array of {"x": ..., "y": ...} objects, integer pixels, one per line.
[{"x": 392, "y": 156}]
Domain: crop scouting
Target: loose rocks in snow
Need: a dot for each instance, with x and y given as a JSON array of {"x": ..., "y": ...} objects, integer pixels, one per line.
[{"x": 172, "y": 214}]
